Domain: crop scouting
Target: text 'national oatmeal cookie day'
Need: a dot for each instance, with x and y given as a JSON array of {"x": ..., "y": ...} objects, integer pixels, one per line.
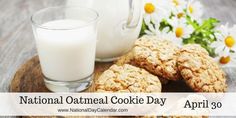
[{"x": 86, "y": 100}]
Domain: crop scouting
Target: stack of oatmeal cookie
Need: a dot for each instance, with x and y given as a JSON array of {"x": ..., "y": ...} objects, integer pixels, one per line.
[{"x": 134, "y": 72}]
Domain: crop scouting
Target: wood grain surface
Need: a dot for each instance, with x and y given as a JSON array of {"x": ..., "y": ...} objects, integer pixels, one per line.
[{"x": 17, "y": 44}]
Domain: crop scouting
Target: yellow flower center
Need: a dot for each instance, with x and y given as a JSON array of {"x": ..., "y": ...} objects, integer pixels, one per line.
[
  {"x": 179, "y": 31},
  {"x": 176, "y": 2},
  {"x": 149, "y": 8},
  {"x": 225, "y": 60},
  {"x": 180, "y": 15},
  {"x": 229, "y": 41},
  {"x": 190, "y": 8}
]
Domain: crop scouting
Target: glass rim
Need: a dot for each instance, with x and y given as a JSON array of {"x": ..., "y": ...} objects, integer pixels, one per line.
[{"x": 76, "y": 27}]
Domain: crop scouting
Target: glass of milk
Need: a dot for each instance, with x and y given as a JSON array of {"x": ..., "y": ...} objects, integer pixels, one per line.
[
  {"x": 119, "y": 25},
  {"x": 66, "y": 46}
]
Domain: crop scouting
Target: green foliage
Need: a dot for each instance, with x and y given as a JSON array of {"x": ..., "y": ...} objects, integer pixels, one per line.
[
  {"x": 143, "y": 28},
  {"x": 165, "y": 24},
  {"x": 203, "y": 33}
]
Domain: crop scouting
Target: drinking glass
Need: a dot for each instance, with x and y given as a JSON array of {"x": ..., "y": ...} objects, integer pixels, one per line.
[{"x": 66, "y": 46}]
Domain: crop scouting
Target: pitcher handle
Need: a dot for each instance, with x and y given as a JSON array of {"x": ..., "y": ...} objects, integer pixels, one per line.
[{"x": 135, "y": 12}]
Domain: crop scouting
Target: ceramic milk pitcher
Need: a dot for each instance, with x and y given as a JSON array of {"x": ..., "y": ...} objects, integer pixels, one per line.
[{"x": 119, "y": 25}]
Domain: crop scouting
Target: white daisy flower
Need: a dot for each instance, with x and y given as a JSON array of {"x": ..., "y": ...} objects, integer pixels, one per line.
[
  {"x": 179, "y": 12},
  {"x": 166, "y": 5},
  {"x": 225, "y": 44},
  {"x": 179, "y": 3},
  {"x": 180, "y": 28},
  {"x": 153, "y": 13},
  {"x": 226, "y": 61},
  {"x": 178, "y": 41},
  {"x": 154, "y": 31},
  {"x": 165, "y": 34},
  {"x": 195, "y": 10}
]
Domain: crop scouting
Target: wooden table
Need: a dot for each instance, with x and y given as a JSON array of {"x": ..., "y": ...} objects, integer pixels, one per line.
[{"x": 17, "y": 44}]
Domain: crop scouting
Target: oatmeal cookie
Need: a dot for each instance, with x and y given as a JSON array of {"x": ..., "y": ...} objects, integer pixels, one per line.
[
  {"x": 126, "y": 59},
  {"x": 200, "y": 71},
  {"x": 156, "y": 56},
  {"x": 194, "y": 48},
  {"x": 127, "y": 78}
]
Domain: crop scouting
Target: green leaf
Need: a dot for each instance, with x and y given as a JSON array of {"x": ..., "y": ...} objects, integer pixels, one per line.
[
  {"x": 208, "y": 24},
  {"x": 143, "y": 28},
  {"x": 165, "y": 24},
  {"x": 204, "y": 34},
  {"x": 192, "y": 22}
]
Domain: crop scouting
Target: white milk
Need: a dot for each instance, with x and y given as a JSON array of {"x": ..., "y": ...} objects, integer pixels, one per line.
[
  {"x": 112, "y": 40},
  {"x": 66, "y": 55}
]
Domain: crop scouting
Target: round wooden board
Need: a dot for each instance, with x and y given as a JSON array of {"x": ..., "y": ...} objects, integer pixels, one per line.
[{"x": 29, "y": 79}]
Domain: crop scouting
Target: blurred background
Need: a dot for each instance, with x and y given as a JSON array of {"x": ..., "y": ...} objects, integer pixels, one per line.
[{"x": 17, "y": 44}]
